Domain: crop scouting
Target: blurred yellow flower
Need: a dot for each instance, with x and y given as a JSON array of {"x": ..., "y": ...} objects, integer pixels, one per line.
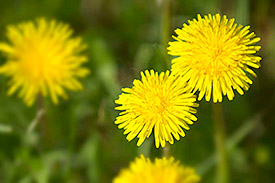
[
  {"x": 215, "y": 56},
  {"x": 160, "y": 101},
  {"x": 142, "y": 170},
  {"x": 42, "y": 58}
]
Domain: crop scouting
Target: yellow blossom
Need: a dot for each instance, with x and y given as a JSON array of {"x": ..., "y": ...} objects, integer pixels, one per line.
[
  {"x": 164, "y": 170},
  {"x": 215, "y": 56},
  {"x": 42, "y": 58},
  {"x": 160, "y": 101}
]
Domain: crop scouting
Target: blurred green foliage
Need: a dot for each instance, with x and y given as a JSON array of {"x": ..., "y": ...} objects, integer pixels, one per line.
[{"x": 77, "y": 142}]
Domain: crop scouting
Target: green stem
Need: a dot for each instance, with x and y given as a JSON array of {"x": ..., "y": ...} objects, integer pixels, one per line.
[
  {"x": 166, "y": 150},
  {"x": 222, "y": 169},
  {"x": 165, "y": 27},
  {"x": 43, "y": 123},
  {"x": 73, "y": 133}
]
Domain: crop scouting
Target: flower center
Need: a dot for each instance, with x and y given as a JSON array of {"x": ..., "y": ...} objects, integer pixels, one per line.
[
  {"x": 216, "y": 52},
  {"x": 38, "y": 63},
  {"x": 212, "y": 57},
  {"x": 158, "y": 104}
]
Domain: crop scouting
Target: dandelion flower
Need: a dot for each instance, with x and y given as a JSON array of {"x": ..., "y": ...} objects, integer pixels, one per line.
[
  {"x": 142, "y": 170},
  {"x": 159, "y": 101},
  {"x": 42, "y": 58},
  {"x": 215, "y": 56}
]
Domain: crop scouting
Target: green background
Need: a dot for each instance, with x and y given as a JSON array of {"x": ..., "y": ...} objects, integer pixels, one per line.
[{"x": 77, "y": 141}]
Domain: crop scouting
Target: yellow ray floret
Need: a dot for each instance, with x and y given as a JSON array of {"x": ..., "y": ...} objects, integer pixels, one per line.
[
  {"x": 215, "y": 56},
  {"x": 142, "y": 170},
  {"x": 42, "y": 58},
  {"x": 158, "y": 101}
]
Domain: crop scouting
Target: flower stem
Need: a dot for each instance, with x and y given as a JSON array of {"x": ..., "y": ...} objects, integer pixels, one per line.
[
  {"x": 165, "y": 26},
  {"x": 166, "y": 150},
  {"x": 42, "y": 120},
  {"x": 222, "y": 169}
]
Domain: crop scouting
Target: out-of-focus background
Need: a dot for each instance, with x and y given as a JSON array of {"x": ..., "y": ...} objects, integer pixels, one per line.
[{"x": 77, "y": 141}]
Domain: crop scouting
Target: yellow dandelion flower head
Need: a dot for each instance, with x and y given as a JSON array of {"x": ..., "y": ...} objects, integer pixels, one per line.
[
  {"x": 215, "y": 56},
  {"x": 42, "y": 58},
  {"x": 160, "y": 101},
  {"x": 164, "y": 170}
]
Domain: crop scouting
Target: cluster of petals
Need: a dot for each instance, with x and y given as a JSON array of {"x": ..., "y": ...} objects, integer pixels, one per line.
[
  {"x": 42, "y": 59},
  {"x": 215, "y": 56},
  {"x": 158, "y": 101},
  {"x": 163, "y": 170}
]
